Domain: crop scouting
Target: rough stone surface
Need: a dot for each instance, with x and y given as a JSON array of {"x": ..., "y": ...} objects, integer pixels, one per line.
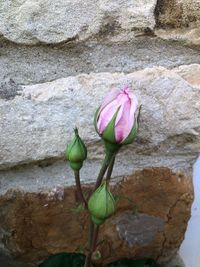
[
  {"x": 24, "y": 22},
  {"x": 37, "y": 124},
  {"x": 46, "y": 21},
  {"x": 34, "y": 225},
  {"x": 178, "y": 20},
  {"x": 128, "y": 225},
  {"x": 25, "y": 65},
  {"x": 46, "y": 175}
]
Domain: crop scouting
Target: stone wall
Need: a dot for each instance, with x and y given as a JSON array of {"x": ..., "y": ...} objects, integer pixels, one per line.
[{"x": 58, "y": 59}]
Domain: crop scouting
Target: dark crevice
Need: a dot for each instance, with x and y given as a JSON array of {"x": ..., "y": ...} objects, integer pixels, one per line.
[{"x": 43, "y": 163}]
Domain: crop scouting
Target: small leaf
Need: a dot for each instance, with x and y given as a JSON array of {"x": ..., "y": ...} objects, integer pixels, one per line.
[
  {"x": 79, "y": 208},
  {"x": 64, "y": 260},
  {"x": 80, "y": 249}
]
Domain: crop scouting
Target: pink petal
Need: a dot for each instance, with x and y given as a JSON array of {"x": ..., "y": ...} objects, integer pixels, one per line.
[
  {"x": 128, "y": 103},
  {"x": 124, "y": 125},
  {"x": 121, "y": 99},
  {"x": 106, "y": 115},
  {"x": 109, "y": 98},
  {"x": 126, "y": 115},
  {"x": 134, "y": 105}
]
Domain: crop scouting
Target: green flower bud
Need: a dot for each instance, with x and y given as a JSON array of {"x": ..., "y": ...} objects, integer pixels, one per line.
[
  {"x": 101, "y": 204},
  {"x": 76, "y": 152}
]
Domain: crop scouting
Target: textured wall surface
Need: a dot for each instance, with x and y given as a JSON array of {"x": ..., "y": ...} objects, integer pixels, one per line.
[
  {"x": 57, "y": 61},
  {"x": 33, "y": 22},
  {"x": 44, "y": 223}
]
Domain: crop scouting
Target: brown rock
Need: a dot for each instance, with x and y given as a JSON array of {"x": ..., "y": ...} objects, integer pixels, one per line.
[
  {"x": 177, "y": 13},
  {"x": 178, "y": 20},
  {"x": 153, "y": 210},
  {"x": 168, "y": 14}
]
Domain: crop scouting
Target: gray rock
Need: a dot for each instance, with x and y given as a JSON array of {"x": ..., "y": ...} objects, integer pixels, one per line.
[
  {"x": 37, "y": 124},
  {"x": 46, "y": 21},
  {"x": 138, "y": 229},
  {"x": 54, "y": 175},
  {"x": 20, "y": 64}
]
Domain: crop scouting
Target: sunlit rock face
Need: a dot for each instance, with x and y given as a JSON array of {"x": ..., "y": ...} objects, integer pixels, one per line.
[
  {"x": 37, "y": 124},
  {"x": 48, "y": 22},
  {"x": 32, "y": 22}
]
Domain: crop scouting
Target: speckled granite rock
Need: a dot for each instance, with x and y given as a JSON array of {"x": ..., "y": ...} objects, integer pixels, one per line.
[
  {"x": 24, "y": 22},
  {"x": 35, "y": 124},
  {"x": 64, "y": 21}
]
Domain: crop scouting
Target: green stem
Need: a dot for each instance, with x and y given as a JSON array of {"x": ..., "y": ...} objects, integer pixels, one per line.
[
  {"x": 102, "y": 171},
  {"x": 79, "y": 188},
  {"x": 93, "y": 231},
  {"x": 110, "y": 169},
  {"x": 104, "y": 167},
  {"x": 95, "y": 237},
  {"x": 91, "y": 234}
]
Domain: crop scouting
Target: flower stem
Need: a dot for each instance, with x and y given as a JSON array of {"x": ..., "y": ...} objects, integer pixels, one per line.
[
  {"x": 94, "y": 230},
  {"x": 108, "y": 163},
  {"x": 102, "y": 171},
  {"x": 104, "y": 167},
  {"x": 89, "y": 255},
  {"x": 95, "y": 237},
  {"x": 79, "y": 188},
  {"x": 110, "y": 169}
]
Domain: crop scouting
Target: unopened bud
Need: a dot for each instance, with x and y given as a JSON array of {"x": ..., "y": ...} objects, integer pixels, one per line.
[
  {"x": 76, "y": 152},
  {"x": 101, "y": 204}
]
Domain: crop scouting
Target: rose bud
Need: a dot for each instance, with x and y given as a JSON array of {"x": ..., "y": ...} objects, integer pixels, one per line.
[
  {"x": 116, "y": 119},
  {"x": 76, "y": 152},
  {"x": 101, "y": 204}
]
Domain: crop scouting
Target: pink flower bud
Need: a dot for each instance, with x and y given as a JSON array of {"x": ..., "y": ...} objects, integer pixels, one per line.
[{"x": 116, "y": 119}]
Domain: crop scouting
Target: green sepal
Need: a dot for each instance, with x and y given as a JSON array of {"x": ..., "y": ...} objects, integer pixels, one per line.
[
  {"x": 109, "y": 131},
  {"x": 134, "y": 130},
  {"x": 132, "y": 135},
  {"x": 69, "y": 148},
  {"x": 95, "y": 119},
  {"x": 101, "y": 204},
  {"x": 76, "y": 152},
  {"x": 111, "y": 148}
]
